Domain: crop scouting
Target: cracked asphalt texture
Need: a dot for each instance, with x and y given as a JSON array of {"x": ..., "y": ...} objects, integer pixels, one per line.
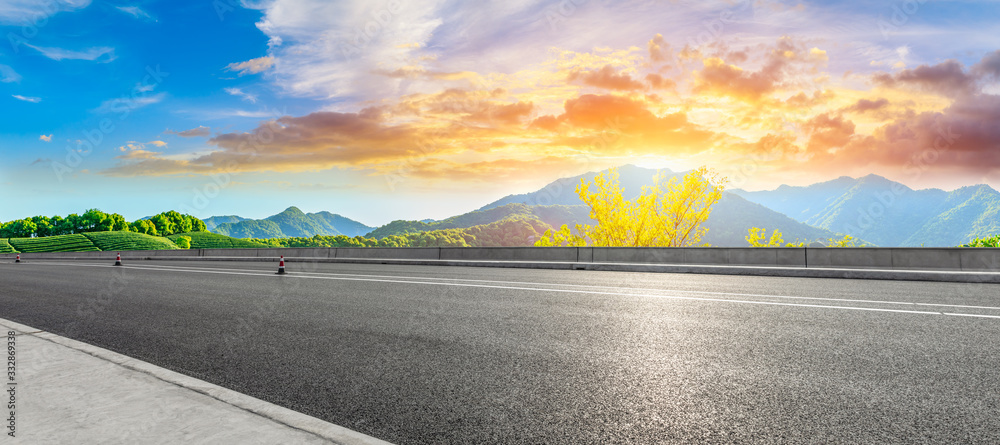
[{"x": 539, "y": 356}]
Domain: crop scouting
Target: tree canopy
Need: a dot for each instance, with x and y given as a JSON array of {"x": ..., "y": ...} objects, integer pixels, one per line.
[{"x": 94, "y": 220}]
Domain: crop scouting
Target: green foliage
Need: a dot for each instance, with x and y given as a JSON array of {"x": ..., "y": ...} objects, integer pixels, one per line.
[
  {"x": 58, "y": 243},
  {"x": 5, "y": 246},
  {"x": 988, "y": 241},
  {"x": 94, "y": 220},
  {"x": 184, "y": 242},
  {"x": 172, "y": 222},
  {"x": 208, "y": 240},
  {"x": 115, "y": 241}
]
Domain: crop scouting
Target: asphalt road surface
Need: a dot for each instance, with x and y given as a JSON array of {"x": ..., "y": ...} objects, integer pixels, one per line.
[{"x": 420, "y": 354}]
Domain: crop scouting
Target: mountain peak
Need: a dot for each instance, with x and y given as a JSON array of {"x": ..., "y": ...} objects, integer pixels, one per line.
[{"x": 294, "y": 210}]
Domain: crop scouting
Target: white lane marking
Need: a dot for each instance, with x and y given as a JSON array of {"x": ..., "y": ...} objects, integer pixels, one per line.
[
  {"x": 672, "y": 297},
  {"x": 971, "y": 315},
  {"x": 736, "y": 294}
]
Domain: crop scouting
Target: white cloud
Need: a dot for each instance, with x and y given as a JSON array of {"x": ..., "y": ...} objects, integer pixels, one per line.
[
  {"x": 97, "y": 54},
  {"x": 126, "y": 104},
  {"x": 140, "y": 146},
  {"x": 200, "y": 131},
  {"x": 329, "y": 49},
  {"x": 21, "y": 12},
  {"x": 252, "y": 66},
  {"x": 33, "y": 100},
  {"x": 239, "y": 93},
  {"x": 45, "y": 138},
  {"x": 8, "y": 75},
  {"x": 134, "y": 11}
]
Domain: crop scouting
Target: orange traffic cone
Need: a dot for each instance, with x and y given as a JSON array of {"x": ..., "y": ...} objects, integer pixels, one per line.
[
  {"x": 281, "y": 266},
  {"x": 18, "y": 260},
  {"x": 118, "y": 261}
]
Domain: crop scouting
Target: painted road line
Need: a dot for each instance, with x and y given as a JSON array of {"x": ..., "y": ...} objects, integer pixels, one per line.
[
  {"x": 572, "y": 291},
  {"x": 734, "y": 294}
]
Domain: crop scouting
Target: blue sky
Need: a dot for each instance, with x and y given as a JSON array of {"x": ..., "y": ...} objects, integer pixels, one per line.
[{"x": 395, "y": 110}]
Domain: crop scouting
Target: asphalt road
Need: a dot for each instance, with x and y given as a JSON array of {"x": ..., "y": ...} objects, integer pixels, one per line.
[{"x": 416, "y": 354}]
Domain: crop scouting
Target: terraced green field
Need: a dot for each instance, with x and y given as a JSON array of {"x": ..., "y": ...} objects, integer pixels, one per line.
[
  {"x": 61, "y": 243},
  {"x": 5, "y": 247},
  {"x": 129, "y": 241},
  {"x": 208, "y": 240}
]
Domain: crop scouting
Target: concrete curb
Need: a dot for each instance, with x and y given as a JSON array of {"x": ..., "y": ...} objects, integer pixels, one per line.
[
  {"x": 770, "y": 271},
  {"x": 328, "y": 431}
]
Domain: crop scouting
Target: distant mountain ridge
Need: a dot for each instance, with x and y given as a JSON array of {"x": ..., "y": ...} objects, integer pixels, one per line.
[
  {"x": 290, "y": 223},
  {"x": 728, "y": 224},
  {"x": 872, "y": 209},
  {"x": 888, "y": 213},
  {"x": 214, "y": 221}
]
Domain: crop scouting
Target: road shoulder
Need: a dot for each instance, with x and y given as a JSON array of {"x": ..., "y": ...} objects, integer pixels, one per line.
[{"x": 72, "y": 392}]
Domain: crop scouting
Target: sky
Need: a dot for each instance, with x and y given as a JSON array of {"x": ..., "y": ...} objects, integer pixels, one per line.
[{"x": 384, "y": 110}]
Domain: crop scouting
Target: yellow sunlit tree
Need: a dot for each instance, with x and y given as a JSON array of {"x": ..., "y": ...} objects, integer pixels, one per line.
[
  {"x": 757, "y": 235},
  {"x": 667, "y": 214}
]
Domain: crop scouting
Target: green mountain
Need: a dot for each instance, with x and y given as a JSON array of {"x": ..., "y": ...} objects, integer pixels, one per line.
[
  {"x": 888, "y": 213},
  {"x": 291, "y": 223},
  {"x": 554, "y": 216},
  {"x": 728, "y": 224},
  {"x": 214, "y": 221}
]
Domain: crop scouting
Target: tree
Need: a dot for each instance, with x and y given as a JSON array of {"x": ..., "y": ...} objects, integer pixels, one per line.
[
  {"x": 197, "y": 225},
  {"x": 22, "y": 228},
  {"x": 184, "y": 242},
  {"x": 43, "y": 225},
  {"x": 144, "y": 226},
  {"x": 757, "y": 235},
  {"x": 561, "y": 238},
  {"x": 668, "y": 214}
]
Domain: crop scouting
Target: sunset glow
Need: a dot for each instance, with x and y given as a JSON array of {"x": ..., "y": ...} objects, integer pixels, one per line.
[{"x": 381, "y": 106}]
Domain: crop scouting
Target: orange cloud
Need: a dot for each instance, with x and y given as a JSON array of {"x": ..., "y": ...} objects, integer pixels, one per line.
[
  {"x": 659, "y": 50},
  {"x": 606, "y": 78},
  {"x": 785, "y": 59},
  {"x": 828, "y": 132}
]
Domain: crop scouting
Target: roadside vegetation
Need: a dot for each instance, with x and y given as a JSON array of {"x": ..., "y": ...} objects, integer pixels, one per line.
[
  {"x": 757, "y": 237},
  {"x": 5, "y": 247},
  {"x": 93, "y": 220},
  {"x": 990, "y": 241},
  {"x": 517, "y": 230},
  {"x": 128, "y": 241},
  {"x": 58, "y": 243},
  {"x": 208, "y": 240}
]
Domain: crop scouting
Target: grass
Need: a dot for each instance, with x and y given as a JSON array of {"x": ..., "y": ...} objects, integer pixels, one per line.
[
  {"x": 60, "y": 243},
  {"x": 129, "y": 241},
  {"x": 5, "y": 247},
  {"x": 208, "y": 240}
]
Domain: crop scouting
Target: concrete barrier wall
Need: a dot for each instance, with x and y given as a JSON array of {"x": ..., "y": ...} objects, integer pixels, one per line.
[
  {"x": 561, "y": 254},
  {"x": 971, "y": 259},
  {"x": 397, "y": 253}
]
